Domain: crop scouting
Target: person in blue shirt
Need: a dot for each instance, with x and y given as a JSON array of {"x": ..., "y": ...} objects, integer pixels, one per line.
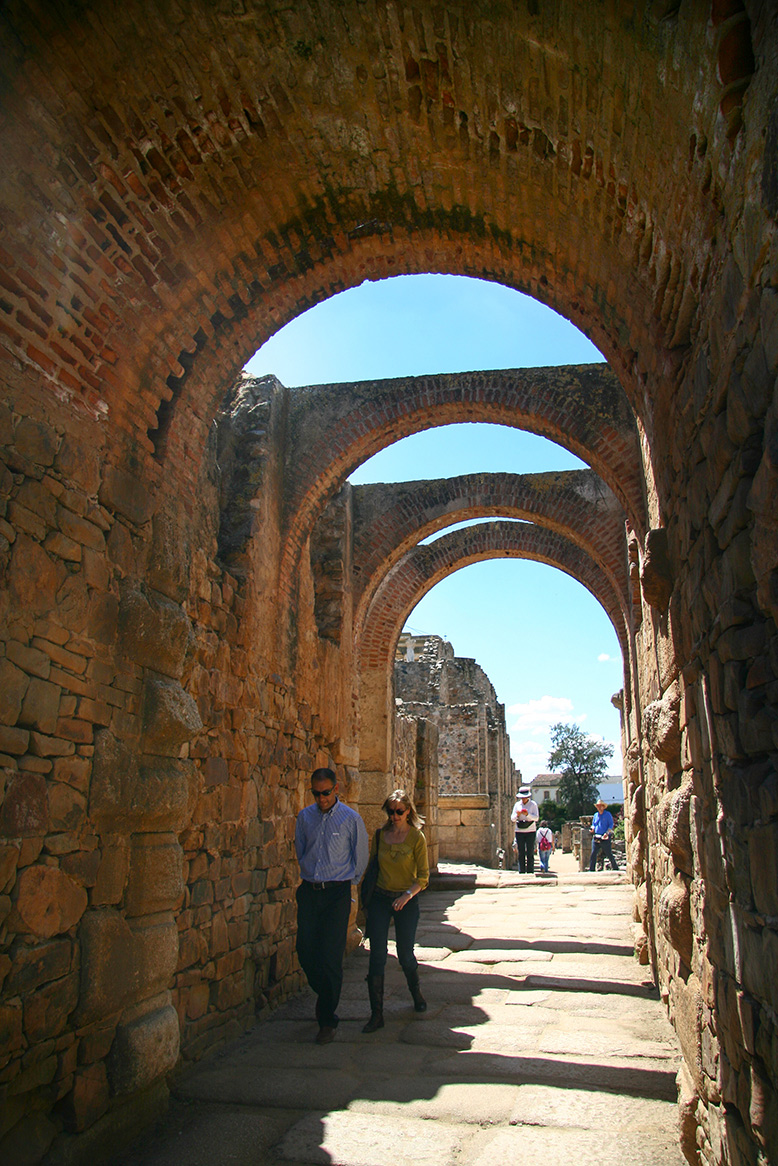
[
  {"x": 332, "y": 849},
  {"x": 602, "y": 833}
]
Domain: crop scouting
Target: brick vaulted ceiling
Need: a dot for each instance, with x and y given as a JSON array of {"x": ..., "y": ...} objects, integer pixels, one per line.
[
  {"x": 181, "y": 178},
  {"x": 423, "y": 566},
  {"x": 389, "y": 520}
]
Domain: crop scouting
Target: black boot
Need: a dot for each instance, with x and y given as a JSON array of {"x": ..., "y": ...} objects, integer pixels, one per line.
[
  {"x": 375, "y": 990},
  {"x": 419, "y": 1003}
]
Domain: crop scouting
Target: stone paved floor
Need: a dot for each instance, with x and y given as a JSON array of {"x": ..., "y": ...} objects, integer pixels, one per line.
[{"x": 544, "y": 1041}]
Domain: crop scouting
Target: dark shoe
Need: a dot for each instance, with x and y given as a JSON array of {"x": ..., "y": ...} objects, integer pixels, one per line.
[
  {"x": 375, "y": 990},
  {"x": 325, "y": 1034},
  {"x": 419, "y": 1003}
]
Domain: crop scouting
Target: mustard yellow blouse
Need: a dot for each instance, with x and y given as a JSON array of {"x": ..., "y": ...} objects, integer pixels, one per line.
[{"x": 401, "y": 864}]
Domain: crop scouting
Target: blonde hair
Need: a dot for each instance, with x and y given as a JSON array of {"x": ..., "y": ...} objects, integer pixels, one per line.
[{"x": 404, "y": 799}]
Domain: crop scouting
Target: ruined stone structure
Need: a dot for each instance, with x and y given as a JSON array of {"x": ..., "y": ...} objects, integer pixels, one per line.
[
  {"x": 194, "y": 614},
  {"x": 477, "y": 778}
]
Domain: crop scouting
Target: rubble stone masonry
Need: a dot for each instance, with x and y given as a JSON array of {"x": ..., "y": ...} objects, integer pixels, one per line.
[{"x": 196, "y": 608}]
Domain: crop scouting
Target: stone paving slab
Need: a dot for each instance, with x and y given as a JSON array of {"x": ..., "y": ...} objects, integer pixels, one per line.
[
  {"x": 583, "y": 1147},
  {"x": 213, "y": 1135},
  {"x": 277, "y": 1087},
  {"x": 653, "y": 1079},
  {"x": 543, "y": 1040},
  {"x": 459, "y": 1102},
  {"x": 542, "y": 1105},
  {"x": 355, "y": 1139}
]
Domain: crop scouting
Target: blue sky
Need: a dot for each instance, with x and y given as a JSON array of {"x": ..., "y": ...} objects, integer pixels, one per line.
[{"x": 544, "y": 641}]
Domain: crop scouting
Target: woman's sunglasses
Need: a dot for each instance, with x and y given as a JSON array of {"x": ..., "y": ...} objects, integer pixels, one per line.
[{"x": 397, "y": 813}]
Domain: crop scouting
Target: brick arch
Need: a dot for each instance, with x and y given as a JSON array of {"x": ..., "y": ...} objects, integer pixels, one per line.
[
  {"x": 425, "y": 565},
  {"x": 417, "y": 573},
  {"x": 176, "y": 225},
  {"x": 333, "y": 428},
  {"x": 390, "y": 519}
]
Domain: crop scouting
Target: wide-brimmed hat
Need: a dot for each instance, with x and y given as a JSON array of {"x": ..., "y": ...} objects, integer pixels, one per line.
[
  {"x": 601, "y": 802},
  {"x": 524, "y": 792}
]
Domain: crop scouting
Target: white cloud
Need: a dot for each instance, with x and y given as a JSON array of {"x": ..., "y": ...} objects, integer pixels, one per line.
[
  {"x": 537, "y": 715},
  {"x": 604, "y": 658}
]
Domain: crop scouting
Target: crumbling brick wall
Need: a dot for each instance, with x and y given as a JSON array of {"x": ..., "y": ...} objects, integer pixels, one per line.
[{"x": 619, "y": 164}]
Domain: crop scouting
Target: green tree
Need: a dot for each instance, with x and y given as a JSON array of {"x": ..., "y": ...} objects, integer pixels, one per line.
[
  {"x": 554, "y": 813},
  {"x": 582, "y": 761}
]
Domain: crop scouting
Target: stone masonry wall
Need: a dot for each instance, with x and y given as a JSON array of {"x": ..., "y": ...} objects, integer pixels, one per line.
[
  {"x": 616, "y": 161},
  {"x": 473, "y": 747}
]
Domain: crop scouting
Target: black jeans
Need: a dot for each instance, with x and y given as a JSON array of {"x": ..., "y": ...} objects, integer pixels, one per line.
[
  {"x": 525, "y": 847},
  {"x": 605, "y": 848},
  {"x": 322, "y": 929},
  {"x": 379, "y": 916}
]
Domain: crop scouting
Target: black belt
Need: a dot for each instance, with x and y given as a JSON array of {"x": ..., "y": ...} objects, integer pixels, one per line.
[{"x": 326, "y": 886}]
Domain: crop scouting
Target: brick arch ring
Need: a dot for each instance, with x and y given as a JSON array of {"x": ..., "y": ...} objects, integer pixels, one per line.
[
  {"x": 334, "y": 428},
  {"x": 417, "y": 573},
  {"x": 388, "y": 520}
]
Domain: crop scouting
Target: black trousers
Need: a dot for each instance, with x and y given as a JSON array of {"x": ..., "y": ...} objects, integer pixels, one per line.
[
  {"x": 322, "y": 929},
  {"x": 525, "y": 847},
  {"x": 604, "y": 847},
  {"x": 379, "y": 916}
]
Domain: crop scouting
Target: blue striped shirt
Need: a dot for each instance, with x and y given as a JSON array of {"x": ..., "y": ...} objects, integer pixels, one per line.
[{"x": 331, "y": 847}]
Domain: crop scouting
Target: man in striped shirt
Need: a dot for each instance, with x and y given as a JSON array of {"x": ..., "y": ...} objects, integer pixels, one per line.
[{"x": 332, "y": 849}]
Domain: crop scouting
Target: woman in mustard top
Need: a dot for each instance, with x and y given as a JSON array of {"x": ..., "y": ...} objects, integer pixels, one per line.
[{"x": 403, "y": 872}]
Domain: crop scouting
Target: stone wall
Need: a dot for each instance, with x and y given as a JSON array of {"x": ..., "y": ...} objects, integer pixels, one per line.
[
  {"x": 180, "y": 639},
  {"x": 466, "y": 830},
  {"x": 473, "y": 746}
]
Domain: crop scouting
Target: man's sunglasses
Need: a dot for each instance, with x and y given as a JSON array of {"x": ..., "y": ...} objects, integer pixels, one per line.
[
  {"x": 397, "y": 813},
  {"x": 322, "y": 793}
]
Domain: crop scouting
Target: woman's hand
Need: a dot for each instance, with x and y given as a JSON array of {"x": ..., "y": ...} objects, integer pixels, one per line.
[{"x": 401, "y": 901}]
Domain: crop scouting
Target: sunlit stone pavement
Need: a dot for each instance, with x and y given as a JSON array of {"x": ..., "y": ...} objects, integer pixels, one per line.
[{"x": 544, "y": 1041}]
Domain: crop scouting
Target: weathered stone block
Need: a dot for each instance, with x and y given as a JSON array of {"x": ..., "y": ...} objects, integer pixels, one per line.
[
  {"x": 170, "y": 717},
  {"x": 661, "y": 726},
  {"x": 33, "y": 577},
  {"x": 154, "y": 631},
  {"x": 675, "y": 918},
  {"x": 143, "y": 1050},
  {"x": 44, "y": 746},
  {"x": 126, "y": 795},
  {"x": 156, "y": 874},
  {"x": 40, "y": 707},
  {"x": 82, "y": 865},
  {"x": 655, "y": 572},
  {"x": 11, "y": 1026},
  {"x": 28, "y": 1141},
  {"x": 13, "y": 685},
  {"x": 33, "y": 966},
  {"x": 36, "y": 441},
  {"x": 126, "y": 494},
  {"x": 675, "y": 826},
  {"x": 9, "y": 857},
  {"x": 49, "y": 902},
  {"x": 215, "y": 771},
  {"x": 24, "y": 812},
  {"x": 122, "y": 963},
  {"x": 46, "y": 1010},
  {"x": 170, "y": 555},
  {"x": 763, "y": 861},
  {"x": 113, "y": 871},
  {"x": 88, "y": 1099},
  {"x": 67, "y": 807}
]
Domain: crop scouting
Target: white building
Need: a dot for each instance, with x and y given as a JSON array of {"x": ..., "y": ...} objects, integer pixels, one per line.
[{"x": 546, "y": 786}]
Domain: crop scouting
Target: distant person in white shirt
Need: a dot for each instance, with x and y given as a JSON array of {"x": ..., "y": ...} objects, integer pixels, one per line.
[{"x": 524, "y": 816}]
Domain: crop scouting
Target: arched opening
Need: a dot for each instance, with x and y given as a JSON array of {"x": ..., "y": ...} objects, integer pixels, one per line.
[{"x": 161, "y": 701}]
